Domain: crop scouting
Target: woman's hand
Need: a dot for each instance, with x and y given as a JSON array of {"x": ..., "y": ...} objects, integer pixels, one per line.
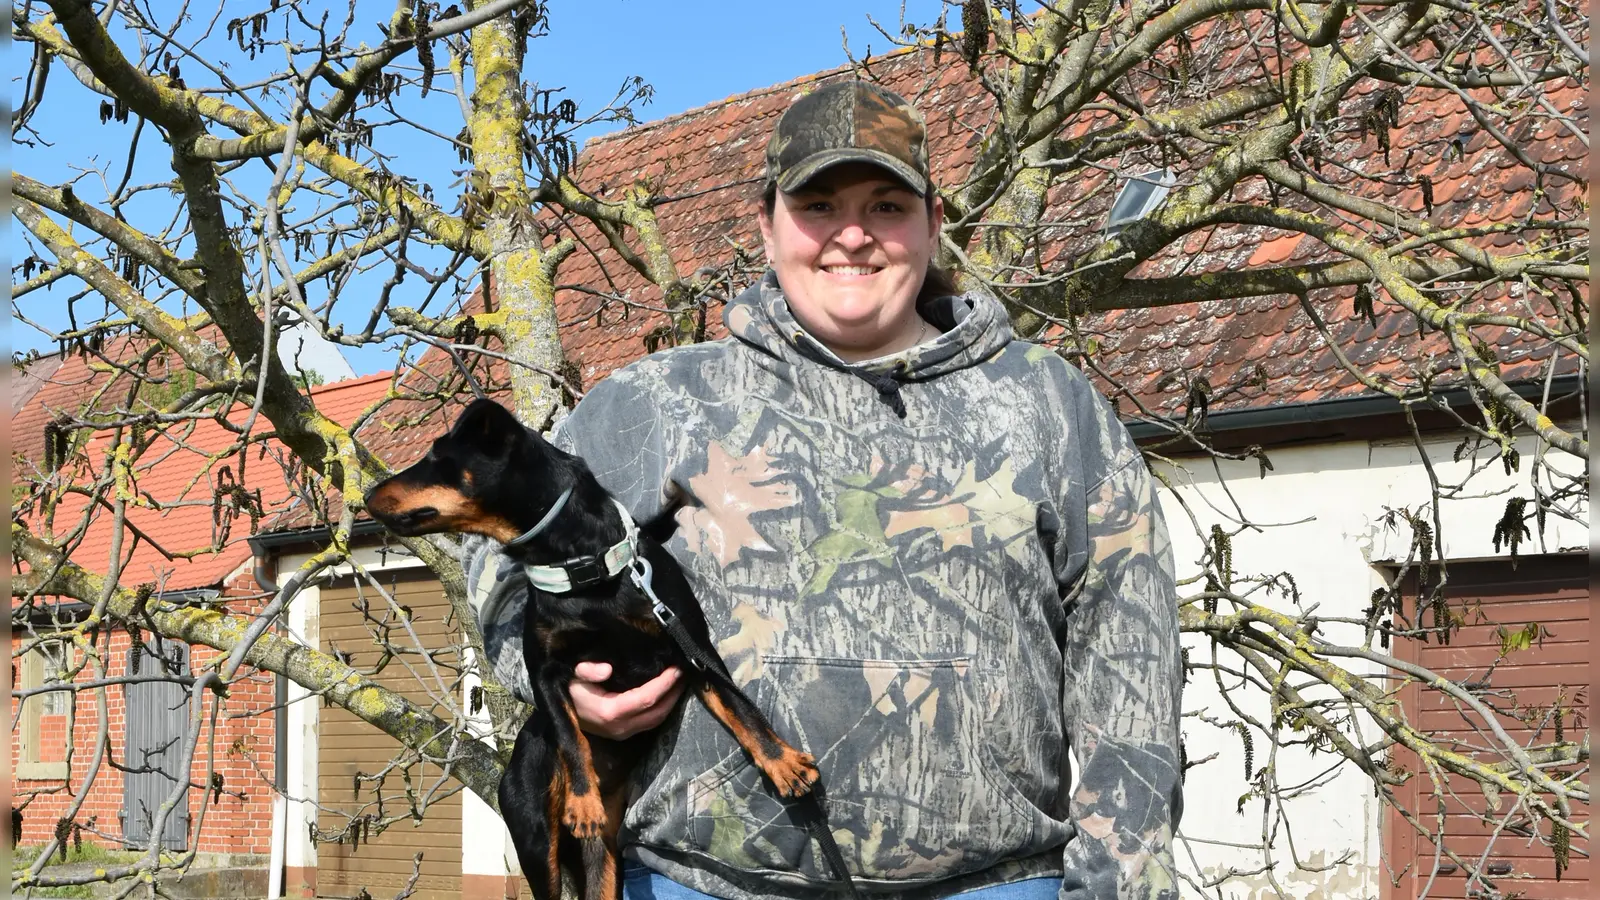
[{"x": 622, "y": 715}]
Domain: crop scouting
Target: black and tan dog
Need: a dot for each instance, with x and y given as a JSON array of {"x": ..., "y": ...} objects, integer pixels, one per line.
[{"x": 562, "y": 794}]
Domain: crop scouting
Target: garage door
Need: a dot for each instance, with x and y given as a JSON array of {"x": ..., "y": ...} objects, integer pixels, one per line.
[
  {"x": 355, "y": 769},
  {"x": 1496, "y": 602}
]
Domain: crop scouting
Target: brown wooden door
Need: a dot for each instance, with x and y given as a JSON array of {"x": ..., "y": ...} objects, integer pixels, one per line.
[
  {"x": 1493, "y": 600},
  {"x": 351, "y": 752}
]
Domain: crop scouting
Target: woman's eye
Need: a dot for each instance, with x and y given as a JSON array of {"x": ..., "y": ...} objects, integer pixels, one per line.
[{"x": 890, "y": 207}]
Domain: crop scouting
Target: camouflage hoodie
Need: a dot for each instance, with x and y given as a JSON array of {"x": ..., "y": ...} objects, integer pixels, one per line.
[{"x": 936, "y": 605}]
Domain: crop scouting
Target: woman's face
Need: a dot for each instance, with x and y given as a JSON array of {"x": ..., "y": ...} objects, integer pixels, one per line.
[{"x": 851, "y": 249}]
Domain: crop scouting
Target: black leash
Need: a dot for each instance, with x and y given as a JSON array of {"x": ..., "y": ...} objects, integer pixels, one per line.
[{"x": 813, "y": 813}]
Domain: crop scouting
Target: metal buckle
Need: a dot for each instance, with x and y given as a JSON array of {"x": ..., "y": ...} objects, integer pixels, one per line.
[{"x": 663, "y": 612}]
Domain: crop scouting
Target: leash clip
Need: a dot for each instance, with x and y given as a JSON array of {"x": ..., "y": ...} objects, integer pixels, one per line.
[{"x": 641, "y": 573}]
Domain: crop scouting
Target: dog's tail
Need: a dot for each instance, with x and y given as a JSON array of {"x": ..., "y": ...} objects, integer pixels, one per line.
[
  {"x": 600, "y": 879},
  {"x": 659, "y": 528}
]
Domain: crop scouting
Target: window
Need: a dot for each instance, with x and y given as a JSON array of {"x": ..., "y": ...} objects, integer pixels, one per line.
[
  {"x": 42, "y": 738},
  {"x": 52, "y": 663},
  {"x": 1139, "y": 197}
]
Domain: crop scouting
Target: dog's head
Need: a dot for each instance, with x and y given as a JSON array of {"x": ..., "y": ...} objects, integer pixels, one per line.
[{"x": 481, "y": 477}]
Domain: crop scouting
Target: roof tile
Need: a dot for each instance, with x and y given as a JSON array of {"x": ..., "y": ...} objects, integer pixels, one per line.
[{"x": 181, "y": 490}]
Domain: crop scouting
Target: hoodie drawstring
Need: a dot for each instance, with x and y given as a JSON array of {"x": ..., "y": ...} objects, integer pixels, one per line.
[{"x": 887, "y": 386}]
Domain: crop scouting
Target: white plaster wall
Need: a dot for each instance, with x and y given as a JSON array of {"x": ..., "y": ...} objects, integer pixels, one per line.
[
  {"x": 300, "y": 750},
  {"x": 485, "y": 842},
  {"x": 1321, "y": 510}
]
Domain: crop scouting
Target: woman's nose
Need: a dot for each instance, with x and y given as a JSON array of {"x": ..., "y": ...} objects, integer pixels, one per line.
[{"x": 852, "y": 236}]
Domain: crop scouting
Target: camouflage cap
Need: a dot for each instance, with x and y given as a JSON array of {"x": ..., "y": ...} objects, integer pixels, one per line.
[{"x": 848, "y": 121}]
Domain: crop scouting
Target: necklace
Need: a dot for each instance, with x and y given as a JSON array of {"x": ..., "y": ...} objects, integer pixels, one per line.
[{"x": 922, "y": 335}]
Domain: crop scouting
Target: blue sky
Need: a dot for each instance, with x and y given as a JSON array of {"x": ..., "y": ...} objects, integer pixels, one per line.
[
  {"x": 698, "y": 53},
  {"x": 691, "y": 53}
]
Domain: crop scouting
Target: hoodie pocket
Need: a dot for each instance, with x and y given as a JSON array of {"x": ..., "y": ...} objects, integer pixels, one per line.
[{"x": 912, "y": 795}]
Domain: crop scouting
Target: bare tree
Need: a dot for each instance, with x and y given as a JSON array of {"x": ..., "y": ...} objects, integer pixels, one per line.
[{"x": 1266, "y": 120}]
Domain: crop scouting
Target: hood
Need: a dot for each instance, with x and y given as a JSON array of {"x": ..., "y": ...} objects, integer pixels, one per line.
[{"x": 974, "y": 326}]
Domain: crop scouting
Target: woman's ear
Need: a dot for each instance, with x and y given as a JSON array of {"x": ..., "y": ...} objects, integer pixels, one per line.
[
  {"x": 766, "y": 233},
  {"x": 935, "y": 219}
]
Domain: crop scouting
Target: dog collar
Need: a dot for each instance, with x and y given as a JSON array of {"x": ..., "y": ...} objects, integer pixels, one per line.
[
  {"x": 582, "y": 571},
  {"x": 531, "y": 533}
]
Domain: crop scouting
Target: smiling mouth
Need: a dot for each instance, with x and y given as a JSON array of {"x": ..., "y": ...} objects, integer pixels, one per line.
[{"x": 852, "y": 270}]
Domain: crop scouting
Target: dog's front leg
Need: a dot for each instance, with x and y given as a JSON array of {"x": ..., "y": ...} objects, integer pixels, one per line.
[
  {"x": 791, "y": 771},
  {"x": 583, "y": 806},
  {"x": 531, "y": 793}
]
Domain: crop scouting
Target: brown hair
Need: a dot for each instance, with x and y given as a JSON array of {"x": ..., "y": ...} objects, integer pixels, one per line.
[{"x": 938, "y": 282}]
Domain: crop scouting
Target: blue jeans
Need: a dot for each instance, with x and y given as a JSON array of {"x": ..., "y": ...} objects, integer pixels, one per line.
[{"x": 640, "y": 883}]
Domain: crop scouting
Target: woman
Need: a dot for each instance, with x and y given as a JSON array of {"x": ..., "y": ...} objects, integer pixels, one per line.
[{"x": 930, "y": 552}]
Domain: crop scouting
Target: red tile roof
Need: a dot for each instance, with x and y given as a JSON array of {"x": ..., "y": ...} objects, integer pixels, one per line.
[
  {"x": 29, "y": 378},
  {"x": 707, "y": 164},
  {"x": 183, "y": 532}
]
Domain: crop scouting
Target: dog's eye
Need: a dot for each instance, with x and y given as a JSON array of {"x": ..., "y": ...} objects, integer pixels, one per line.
[{"x": 446, "y": 467}]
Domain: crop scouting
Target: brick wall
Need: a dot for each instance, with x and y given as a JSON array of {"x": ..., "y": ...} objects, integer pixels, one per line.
[{"x": 242, "y": 752}]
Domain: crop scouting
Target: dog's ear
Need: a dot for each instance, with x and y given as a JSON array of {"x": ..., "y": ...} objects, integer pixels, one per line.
[{"x": 489, "y": 428}]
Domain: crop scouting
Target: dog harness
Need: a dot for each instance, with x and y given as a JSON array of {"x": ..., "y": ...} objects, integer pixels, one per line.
[{"x": 580, "y": 571}]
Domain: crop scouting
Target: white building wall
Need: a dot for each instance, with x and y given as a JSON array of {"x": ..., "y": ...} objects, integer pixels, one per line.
[
  {"x": 300, "y": 748},
  {"x": 485, "y": 842},
  {"x": 1320, "y": 512}
]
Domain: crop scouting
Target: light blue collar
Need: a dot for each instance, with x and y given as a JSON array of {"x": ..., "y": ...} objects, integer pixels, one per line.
[{"x": 550, "y": 516}]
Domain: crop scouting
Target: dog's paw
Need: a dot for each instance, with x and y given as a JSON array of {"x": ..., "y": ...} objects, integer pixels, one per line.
[
  {"x": 585, "y": 815},
  {"x": 792, "y": 772}
]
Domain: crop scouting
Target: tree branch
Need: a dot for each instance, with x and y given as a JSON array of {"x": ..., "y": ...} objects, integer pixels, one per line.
[
  {"x": 197, "y": 353},
  {"x": 474, "y": 764}
]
